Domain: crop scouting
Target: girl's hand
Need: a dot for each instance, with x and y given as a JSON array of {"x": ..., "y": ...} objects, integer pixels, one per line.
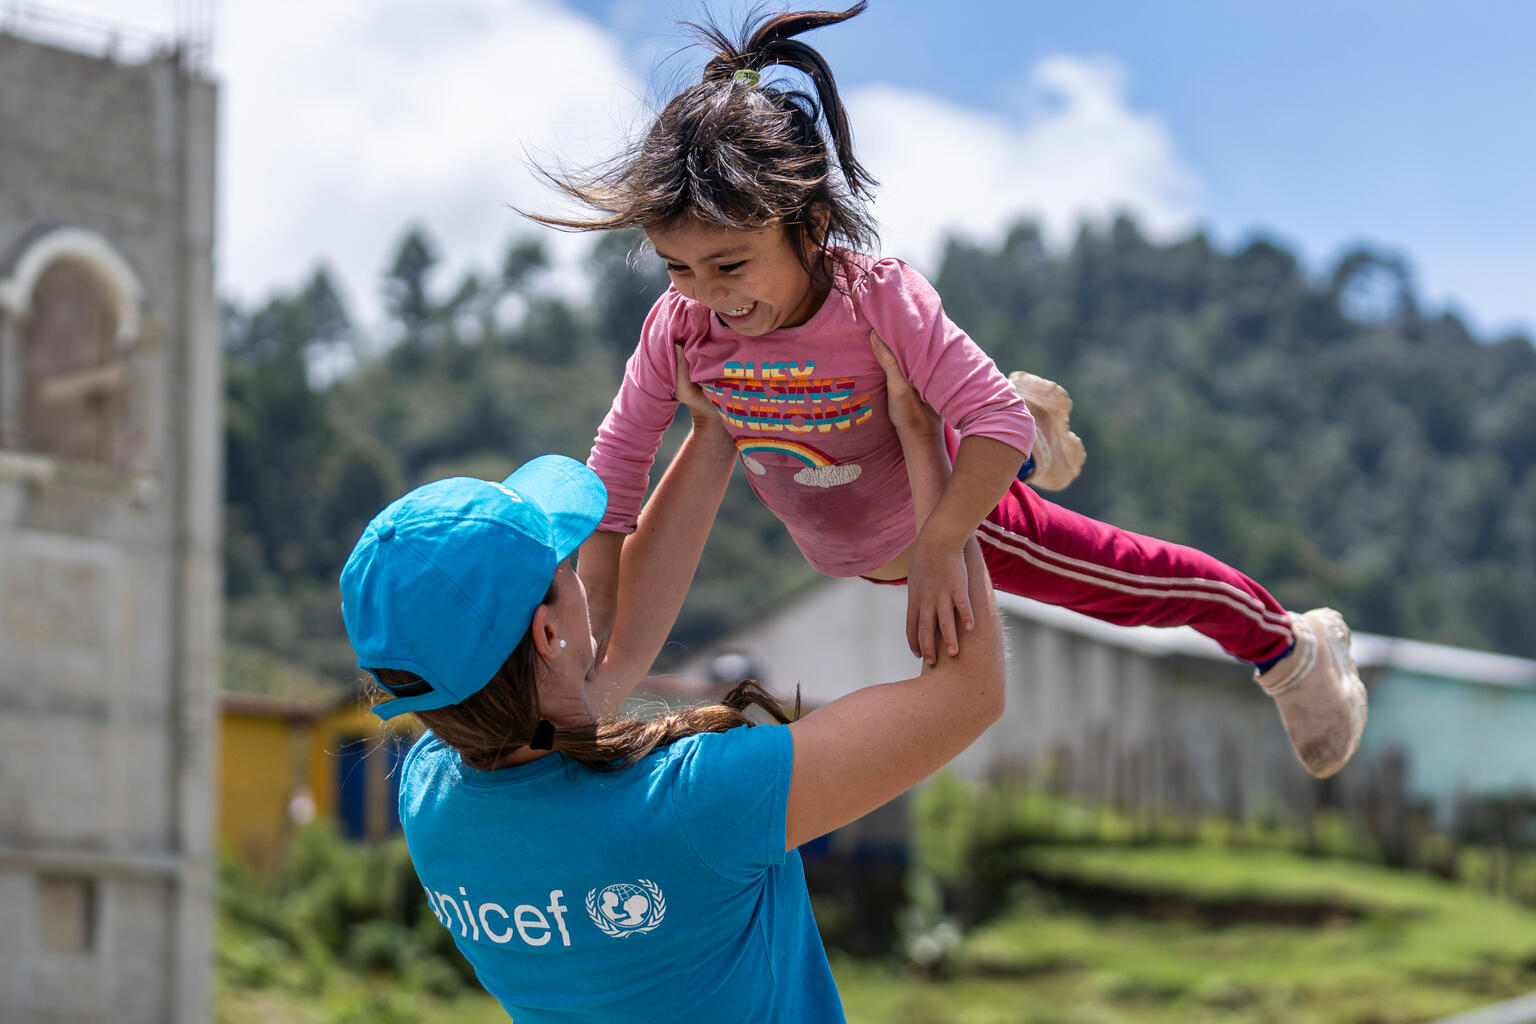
[{"x": 938, "y": 603}]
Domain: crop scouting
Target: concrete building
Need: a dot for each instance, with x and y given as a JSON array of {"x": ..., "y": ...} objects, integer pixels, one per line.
[
  {"x": 1162, "y": 718},
  {"x": 110, "y": 501}
]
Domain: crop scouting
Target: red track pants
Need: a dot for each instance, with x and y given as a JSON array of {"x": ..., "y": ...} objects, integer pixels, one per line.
[{"x": 1039, "y": 550}]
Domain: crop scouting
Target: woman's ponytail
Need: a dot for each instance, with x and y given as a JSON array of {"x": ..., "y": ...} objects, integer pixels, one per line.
[
  {"x": 617, "y": 742},
  {"x": 503, "y": 717}
]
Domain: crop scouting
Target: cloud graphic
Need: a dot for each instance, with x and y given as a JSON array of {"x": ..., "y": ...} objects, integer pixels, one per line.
[
  {"x": 753, "y": 466},
  {"x": 828, "y": 476}
]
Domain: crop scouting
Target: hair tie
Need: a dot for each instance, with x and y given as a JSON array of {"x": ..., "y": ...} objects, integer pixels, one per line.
[
  {"x": 543, "y": 736},
  {"x": 752, "y": 78}
]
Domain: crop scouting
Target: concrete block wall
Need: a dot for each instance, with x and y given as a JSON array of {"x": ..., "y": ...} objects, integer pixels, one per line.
[{"x": 109, "y": 575}]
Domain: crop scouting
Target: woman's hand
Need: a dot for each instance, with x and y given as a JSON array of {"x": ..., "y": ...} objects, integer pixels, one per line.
[
  {"x": 691, "y": 395},
  {"x": 660, "y": 557},
  {"x": 914, "y": 421}
]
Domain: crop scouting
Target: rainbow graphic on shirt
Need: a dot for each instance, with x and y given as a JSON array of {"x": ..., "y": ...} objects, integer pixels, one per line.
[
  {"x": 804, "y": 452},
  {"x": 819, "y": 470}
]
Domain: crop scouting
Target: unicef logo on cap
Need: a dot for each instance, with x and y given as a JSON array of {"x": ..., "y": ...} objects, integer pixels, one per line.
[{"x": 626, "y": 908}]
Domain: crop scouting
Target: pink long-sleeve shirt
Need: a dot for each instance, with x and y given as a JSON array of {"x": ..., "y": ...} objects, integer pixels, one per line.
[{"x": 806, "y": 406}]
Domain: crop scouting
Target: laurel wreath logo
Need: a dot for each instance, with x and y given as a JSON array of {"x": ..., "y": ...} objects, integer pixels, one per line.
[{"x": 653, "y": 916}]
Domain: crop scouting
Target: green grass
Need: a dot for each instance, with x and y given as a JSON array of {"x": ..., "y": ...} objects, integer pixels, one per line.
[
  {"x": 1402, "y": 947},
  {"x": 354, "y": 1001}
]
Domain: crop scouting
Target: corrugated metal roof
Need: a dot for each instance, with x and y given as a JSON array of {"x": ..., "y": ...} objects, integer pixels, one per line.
[{"x": 1371, "y": 650}]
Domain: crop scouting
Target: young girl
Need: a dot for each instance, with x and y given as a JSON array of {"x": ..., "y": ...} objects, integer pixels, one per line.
[{"x": 760, "y": 221}]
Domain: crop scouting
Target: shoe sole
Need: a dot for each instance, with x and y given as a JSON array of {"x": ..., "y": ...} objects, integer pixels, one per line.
[
  {"x": 1329, "y": 626},
  {"x": 1051, "y": 407}
]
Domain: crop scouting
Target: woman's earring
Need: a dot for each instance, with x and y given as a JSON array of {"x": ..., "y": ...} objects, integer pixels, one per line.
[{"x": 562, "y": 643}]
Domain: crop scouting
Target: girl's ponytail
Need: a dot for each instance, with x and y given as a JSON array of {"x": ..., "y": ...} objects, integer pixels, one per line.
[{"x": 774, "y": 43}]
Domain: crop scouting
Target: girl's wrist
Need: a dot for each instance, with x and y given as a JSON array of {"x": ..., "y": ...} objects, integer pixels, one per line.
[{"x": 939, "y": 533}]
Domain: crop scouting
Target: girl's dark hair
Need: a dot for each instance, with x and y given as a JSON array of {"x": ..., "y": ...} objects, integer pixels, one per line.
[
  {"x": 731, "y": 152},
  {"x": 501, "y": 718}
]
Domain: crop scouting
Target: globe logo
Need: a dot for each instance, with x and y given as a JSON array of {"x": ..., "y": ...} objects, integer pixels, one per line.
[{"x": 626, "y": 908}]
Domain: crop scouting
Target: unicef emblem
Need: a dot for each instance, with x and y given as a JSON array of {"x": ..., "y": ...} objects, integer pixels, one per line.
[{"x": 625, "y": 908}]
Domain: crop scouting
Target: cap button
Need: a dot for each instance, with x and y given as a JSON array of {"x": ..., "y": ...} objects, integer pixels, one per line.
[{"x": 386, "y": 531}]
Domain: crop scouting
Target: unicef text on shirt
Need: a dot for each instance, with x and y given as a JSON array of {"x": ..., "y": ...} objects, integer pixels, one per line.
[{"x": 525, "y": 921}]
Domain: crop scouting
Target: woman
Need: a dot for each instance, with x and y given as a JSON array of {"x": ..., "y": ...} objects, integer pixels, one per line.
[{"x": 648, "y": 872}]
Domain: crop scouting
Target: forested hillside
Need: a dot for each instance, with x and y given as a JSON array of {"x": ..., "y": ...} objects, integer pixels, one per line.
[{"x": 1328, "y": 436}]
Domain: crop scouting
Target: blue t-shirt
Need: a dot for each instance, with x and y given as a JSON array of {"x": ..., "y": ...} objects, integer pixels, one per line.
[{"x": 661, "y": 892}]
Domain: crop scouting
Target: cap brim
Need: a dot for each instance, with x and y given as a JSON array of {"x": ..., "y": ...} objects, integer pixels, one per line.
[{"x": 570, "y": 495}]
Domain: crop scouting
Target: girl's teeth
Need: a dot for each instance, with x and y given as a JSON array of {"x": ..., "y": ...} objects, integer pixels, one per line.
[{"x": 743, "y": 311}]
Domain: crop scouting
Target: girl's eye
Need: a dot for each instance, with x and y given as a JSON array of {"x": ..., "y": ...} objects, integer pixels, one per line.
[
  {"x": 731, "y": 268},
  {"x": 676, "y": 268}
]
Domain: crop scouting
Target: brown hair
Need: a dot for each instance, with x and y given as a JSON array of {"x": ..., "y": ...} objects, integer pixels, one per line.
[
  {"x": 731, "y": 152},
  {"x": 501, "y": 718}
]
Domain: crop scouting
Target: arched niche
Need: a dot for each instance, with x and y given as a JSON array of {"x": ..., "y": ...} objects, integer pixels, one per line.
[{"x": 71, "y": 305}]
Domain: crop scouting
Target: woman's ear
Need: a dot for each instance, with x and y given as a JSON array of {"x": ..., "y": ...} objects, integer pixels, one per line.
[{"x": 546, "y": 640}]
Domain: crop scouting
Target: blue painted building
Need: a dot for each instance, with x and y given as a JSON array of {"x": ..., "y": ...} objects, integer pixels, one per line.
[{"x": 1465, "y": 720}]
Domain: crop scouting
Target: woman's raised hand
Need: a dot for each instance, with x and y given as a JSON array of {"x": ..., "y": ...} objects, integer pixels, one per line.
[
  {"x": 912, "y": 419},
  {"x": 691, "y": 395}
]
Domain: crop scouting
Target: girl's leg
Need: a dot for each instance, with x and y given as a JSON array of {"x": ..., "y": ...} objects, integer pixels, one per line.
[
  {"x": 1040, "y": 550},
  {"x": 1036, "y": 549}
]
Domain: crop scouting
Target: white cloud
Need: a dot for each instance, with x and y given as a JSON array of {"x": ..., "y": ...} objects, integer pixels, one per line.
[
  {"x": 345, "y": 120},
  {"x": 383, "y": 112},
  {"x": 1073, "y": 150}
]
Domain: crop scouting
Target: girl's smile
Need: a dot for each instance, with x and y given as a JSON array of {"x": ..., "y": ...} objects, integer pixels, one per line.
[{"x": 750, "y": 278}]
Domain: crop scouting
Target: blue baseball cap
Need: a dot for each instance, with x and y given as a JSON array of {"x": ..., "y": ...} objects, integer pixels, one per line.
[{"x": 444, "y": 582}]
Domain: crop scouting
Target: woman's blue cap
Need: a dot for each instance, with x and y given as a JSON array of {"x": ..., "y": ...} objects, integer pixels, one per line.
[{"x": 444, "y": 582}]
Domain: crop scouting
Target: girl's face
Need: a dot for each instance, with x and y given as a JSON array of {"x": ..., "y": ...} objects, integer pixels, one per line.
[{"x": 751, "y": 278}]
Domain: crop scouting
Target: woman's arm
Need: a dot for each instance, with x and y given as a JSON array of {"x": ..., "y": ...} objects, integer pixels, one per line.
[
  {"x": 625, "y": 449},
  {"x": 964, "y": 385},
  {"x": 860, "y": 751},
  {"x": 598, "y": 567},
  {"x": 660, "y": 557}
]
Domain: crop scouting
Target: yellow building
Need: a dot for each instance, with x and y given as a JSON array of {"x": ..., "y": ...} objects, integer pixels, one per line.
[{"x": 284, "y": 761}]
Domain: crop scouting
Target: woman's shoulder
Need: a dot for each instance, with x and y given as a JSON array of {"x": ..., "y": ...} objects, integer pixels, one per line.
[
  {"x": 429, "y": 756},
  {"x": 426, "y": 746},
  {"x": 744, "y": 749},
  {"x": 730, "y": 792}
]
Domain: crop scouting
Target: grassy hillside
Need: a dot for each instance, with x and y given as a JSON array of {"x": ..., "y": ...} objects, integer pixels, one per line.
[{"x": 1085, "y": 934}]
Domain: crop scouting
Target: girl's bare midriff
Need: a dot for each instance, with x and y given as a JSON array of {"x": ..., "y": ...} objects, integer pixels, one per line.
[{"x": 896, "y": 568}]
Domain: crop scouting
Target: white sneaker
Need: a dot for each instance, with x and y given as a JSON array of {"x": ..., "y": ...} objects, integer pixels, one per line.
[
  {"x": 1319, "y": 693},
  {"x": 1058, "y": 453}
]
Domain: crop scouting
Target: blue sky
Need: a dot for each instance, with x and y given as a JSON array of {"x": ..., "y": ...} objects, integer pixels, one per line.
[
  {"x": 1405, "y": 125},
  {"x": 1408, "y": 124}
]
